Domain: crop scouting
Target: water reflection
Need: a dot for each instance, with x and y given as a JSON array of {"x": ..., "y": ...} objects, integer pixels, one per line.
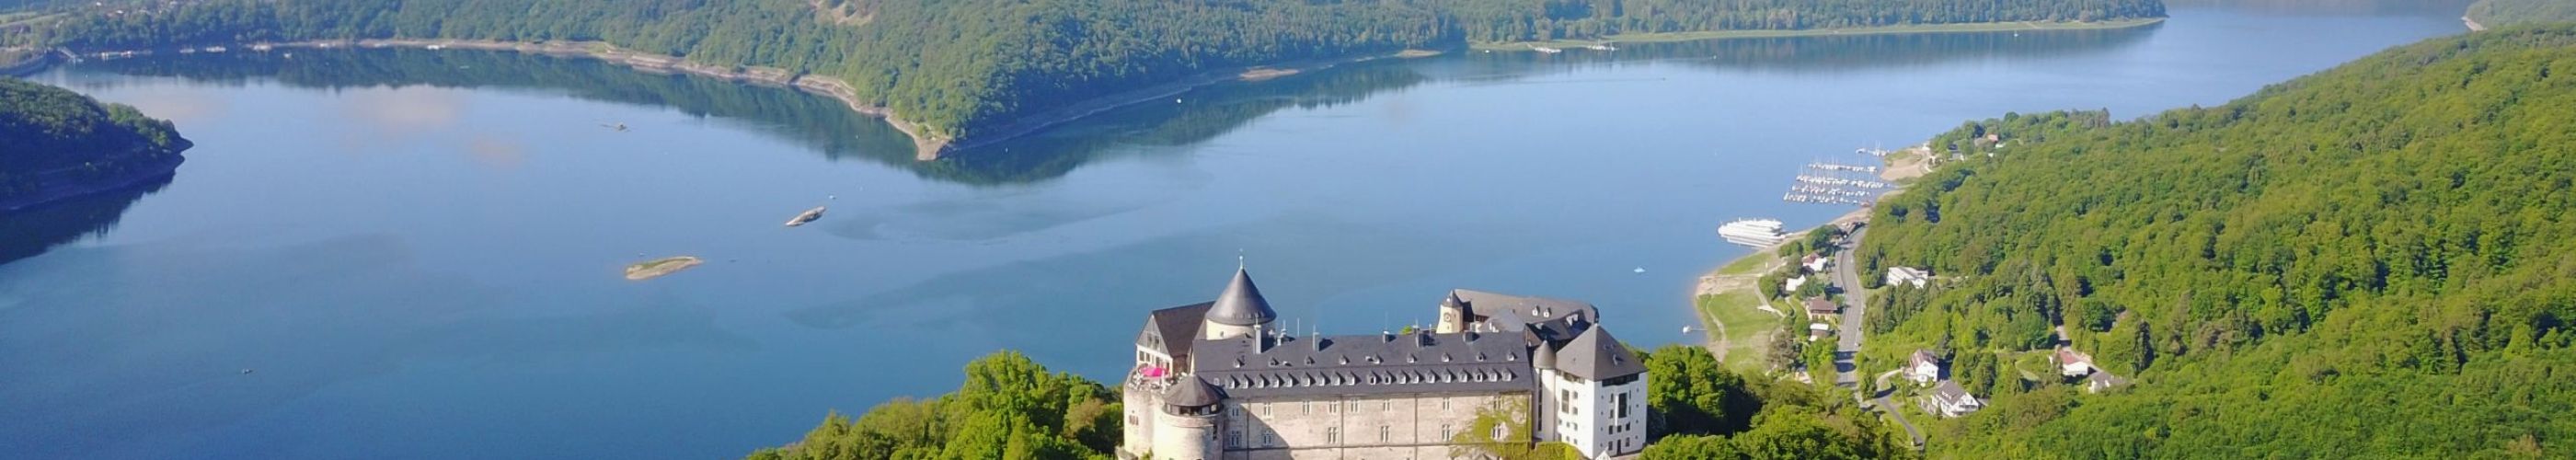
[
  {"x": 829, "y": 128},
  {"x": 29, "y": 232}
]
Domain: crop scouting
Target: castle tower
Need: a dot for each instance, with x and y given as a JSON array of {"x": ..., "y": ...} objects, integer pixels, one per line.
[
  {"x": 1185, "y": 428},
  {"x": 1453, "y": 315},
  {"x": 1239, "y": 311},
  {"x": 1138, "y": 435}
]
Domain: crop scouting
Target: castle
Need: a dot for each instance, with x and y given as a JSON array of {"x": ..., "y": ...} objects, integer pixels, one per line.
[{"x": 1219, "y": 381}]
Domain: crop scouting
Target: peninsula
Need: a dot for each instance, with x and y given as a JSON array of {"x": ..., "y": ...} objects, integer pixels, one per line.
[
  {"x": 957, "y": 74},
  {"x": 57, "y": 144}
]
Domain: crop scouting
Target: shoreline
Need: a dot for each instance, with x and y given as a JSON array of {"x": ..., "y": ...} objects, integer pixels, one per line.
[
  {"x": 1041, "y": 120},
  {"x": 53, "y": 190},
  {"x": 1975, "y": 27},
  {"x": 31, "y": 64},
  {"x": 646, "y": 62},
  {"x": 1720, "y": 281}
]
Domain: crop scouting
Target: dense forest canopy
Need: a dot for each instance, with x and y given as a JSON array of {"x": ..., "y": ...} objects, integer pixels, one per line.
[
  {"x": 48, "y": 131},
  {"x": 954, "y": 66},
  {"x": 2373, "y": 261},
  {"x": 2502, "y": 13}
]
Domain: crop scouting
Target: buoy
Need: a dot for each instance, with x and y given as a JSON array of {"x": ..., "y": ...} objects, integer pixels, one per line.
[
  {"x": 246, "y": 370},
  {"x": 1641, "y": 269},
  {"x": 1685, "y": 329}
]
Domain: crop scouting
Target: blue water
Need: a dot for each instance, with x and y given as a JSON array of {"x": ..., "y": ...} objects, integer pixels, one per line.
[{"x": 418, "y": 252}]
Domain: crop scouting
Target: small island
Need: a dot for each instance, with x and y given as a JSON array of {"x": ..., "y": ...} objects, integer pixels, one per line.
[
  {"x": 656, "y": 268},
  {"x": 56, "y": 144}
]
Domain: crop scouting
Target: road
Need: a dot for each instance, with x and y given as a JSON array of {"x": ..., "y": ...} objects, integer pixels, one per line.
[{"x": 1855, "y": 312}]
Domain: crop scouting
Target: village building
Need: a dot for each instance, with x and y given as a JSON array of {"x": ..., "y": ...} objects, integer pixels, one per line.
[
  {"x": 1820, "y": 308},
  {"x": 1948, "y": 399},
  {"x": 2073, "y": 364},
  {"x": 1218, "y": 380},
  {"x": 1908, "y": 276},
  {"x": 1922, "y": 367}
]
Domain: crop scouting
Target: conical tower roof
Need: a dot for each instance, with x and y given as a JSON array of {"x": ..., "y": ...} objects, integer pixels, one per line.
[
  {"x": 1241, "y": 303},
  {"x": 1195, "y": 392}
]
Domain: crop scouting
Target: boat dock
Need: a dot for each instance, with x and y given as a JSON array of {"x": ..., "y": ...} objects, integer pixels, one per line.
[{"x": 1837, "y": 183}]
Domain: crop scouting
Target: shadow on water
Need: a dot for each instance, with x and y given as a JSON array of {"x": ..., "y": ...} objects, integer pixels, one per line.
[{"x": 28, "y": 232}]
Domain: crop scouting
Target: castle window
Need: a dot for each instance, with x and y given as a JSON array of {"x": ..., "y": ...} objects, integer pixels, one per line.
[
  {"x": 1444, "y": 403},
  {"x": 1619, "y": 406},
  {"x": 1446, "y": 433},
  {"x": 1269, "y": 438},
  {"x": 1332, "y": 435},
  {"x": 1265, "y": 409},
  {"x": 1382, "y": 433},
  {"x": 1306, "y": 408},
  {"x": 1498, "y": 432},
  {"x": 1234, "y": 439},
  {"x": 1386, "y": 404},
  {"x": 1351, "y": 406}
]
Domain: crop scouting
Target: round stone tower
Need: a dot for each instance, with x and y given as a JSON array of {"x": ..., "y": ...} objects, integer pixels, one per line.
[
  {"x": 1239, "y": 311},
  {"x": 1141, "y": 405},
  {"x": 1186, "y": 427}
]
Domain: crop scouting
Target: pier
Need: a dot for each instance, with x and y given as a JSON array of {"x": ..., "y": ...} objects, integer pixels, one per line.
[{"x": 1837, "y": 183}]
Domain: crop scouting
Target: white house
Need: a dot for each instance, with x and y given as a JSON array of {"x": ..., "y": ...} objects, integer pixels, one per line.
[
  {"x": 1923, "y": 367},
  {"x": 1950, "y": 400},
  {"x": 1818, "y": 263},
  {"x": 1908, "y": 275},
  {"x": 2072, "y": 364},
  {"x": 1792, "y": 284}
]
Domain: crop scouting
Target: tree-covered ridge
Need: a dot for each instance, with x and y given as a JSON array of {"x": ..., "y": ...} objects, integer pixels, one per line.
[
  {"x": 957, "y": 67},
  {"x": 1008, "y": 408},
  {"x": 2504, "y": 13},
  {"x": 2373, "y": 261},
  {"x": 49, "y": 135}
]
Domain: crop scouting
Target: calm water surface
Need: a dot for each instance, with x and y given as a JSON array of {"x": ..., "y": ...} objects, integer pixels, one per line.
[{"x": 418, "y": 252}]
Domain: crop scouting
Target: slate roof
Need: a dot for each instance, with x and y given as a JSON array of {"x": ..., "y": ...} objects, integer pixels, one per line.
[
  {"x": 1179, "y": 327},
  {"x": 1194, "y": 393},
  {"x": 1596, "y": 355},
  {"x": 1366, "y": 364},
  {"x": 1481, "y": 304},
  {"x": 1241, "y": 303},
  {"x": 1949, "y": 391}
]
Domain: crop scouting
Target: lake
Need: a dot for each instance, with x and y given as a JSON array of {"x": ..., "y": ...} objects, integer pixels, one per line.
[{"x": 417, "y": 253}]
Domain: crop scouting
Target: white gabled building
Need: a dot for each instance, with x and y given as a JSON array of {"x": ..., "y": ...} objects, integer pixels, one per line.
[
  {"x": 1593, "y": 395},
  {"x": 1923, "y": 367},
  {"x": 1908, "y": 276}
]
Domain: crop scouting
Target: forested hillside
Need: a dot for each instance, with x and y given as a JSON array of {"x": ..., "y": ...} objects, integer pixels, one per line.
[
  {"x": 955, "y": 67},
  {"x": 2376, "y": 261},
  {"x": 53, "y": 140},
  {"x": 2503, "y": 13}
]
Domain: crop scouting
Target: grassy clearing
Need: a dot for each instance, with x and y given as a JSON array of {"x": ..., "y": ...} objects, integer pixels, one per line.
[
  {"x": 1747, "y": 327},
  {"x": 1907, "y": 29},
  {"x": 1750, "y": 264}
]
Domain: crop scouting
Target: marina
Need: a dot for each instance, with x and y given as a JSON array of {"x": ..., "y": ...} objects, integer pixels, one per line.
[{"x": 1832, "y": 182}]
